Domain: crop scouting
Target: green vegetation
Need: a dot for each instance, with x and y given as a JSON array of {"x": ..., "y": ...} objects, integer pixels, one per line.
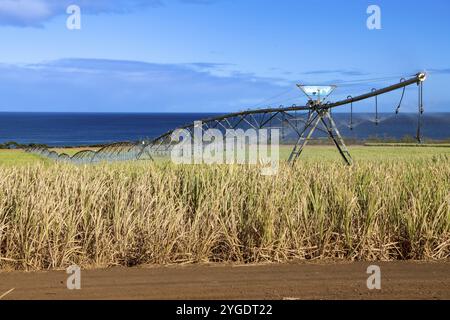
[
  {"x": 419, "y": 145},
  {"x": 392, "y": 204},
  {"x": 362, "y": 153},
  {"x": 315, "y": 153},
  {"x": 72, "y": 151},
  {"x": 18, "y": 157}
]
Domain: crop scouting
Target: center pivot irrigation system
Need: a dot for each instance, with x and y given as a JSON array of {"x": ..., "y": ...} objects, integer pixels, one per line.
[{"x": 303, "y": 120}]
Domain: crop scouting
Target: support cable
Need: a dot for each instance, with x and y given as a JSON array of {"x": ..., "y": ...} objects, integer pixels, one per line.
[
  {"x": 420, "y": 113},
  {"x": 351, "y": 113},
  {"x": 397, "y": 110},
  {"x": 376, "y": 107}
]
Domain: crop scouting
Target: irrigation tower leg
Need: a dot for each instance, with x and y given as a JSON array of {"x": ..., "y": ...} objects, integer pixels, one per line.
[
  {"x": 144, "y": 150},
  {"x": 332, "y": 130},
  {"x": 334, "y": 134},
  {"x": 309, "y": 128}
]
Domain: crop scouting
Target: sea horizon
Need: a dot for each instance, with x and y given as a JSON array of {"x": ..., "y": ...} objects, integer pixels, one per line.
[
  {"x": 197, "y": 112},
  {"x": 58, "y": 129}
]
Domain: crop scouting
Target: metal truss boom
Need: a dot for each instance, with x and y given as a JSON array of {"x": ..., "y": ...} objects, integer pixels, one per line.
[{"x": 316, "y": 113}]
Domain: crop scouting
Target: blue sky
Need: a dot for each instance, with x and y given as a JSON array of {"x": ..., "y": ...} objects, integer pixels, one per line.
[{"x": 216, "y": 55}]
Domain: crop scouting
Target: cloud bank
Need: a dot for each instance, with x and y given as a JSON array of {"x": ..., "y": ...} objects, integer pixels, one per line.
[
  {"x": 101, "y": 85},
  {"x": 34, "y": 13},
  {"x": 130, "y": 86}
]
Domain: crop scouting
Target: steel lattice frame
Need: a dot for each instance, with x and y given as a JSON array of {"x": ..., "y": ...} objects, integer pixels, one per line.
[{"x": 311, "y": 115}]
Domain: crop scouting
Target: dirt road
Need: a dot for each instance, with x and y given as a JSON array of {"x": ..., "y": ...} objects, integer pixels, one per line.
[{"x": 399, "y": 280}]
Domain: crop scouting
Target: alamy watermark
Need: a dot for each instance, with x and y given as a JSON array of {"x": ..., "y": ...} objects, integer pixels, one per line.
[
  {"x": 374, "y": 280},
  {"x": 73, "y": 21},
  {"x": 236, "y": 146},
  {"x": 74, "y": 280},
  {"x": 374, "y": 20}
]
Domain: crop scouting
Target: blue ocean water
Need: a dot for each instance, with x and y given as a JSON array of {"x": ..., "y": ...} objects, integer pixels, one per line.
[{"x": 76, "y": 129}]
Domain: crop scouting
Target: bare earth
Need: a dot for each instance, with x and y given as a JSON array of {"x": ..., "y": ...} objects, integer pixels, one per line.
[{"x": 399, "y": 280}]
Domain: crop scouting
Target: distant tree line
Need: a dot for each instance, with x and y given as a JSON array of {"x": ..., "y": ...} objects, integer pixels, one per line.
[
  {"x": 373, "y": 139},
  {"x": 16, "y": 145},
  {"x": 407, "y": 139}
]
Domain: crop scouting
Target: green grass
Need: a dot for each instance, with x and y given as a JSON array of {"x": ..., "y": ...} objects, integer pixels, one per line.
[
  {"x": 398, "y": 144},
  {"x": 362, "y": 153},
  {"x": 18, "y": 157},
  {"x": 71, "y": 151},
  {"x": 313, "y": 153}
]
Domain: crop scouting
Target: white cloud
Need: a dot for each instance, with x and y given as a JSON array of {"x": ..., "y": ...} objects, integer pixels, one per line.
[
  {"x": 33, "y": 13},
  {"x": 24, "y": 12},
  {"x": 114, "y": 85}
]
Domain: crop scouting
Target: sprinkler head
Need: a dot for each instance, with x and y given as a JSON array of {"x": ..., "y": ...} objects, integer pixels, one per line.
[{"x": 422, "y": 76}]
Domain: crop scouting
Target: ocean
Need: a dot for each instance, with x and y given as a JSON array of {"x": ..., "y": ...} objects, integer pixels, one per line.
[{"x": 80, "y": 129}]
